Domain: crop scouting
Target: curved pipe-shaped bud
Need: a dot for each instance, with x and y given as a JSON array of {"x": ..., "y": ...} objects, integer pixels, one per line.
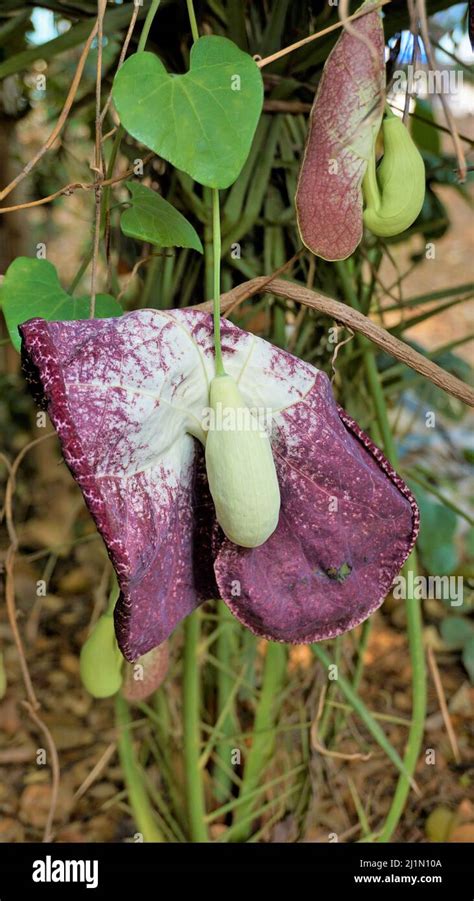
[
  {"x": 395, "y": 191},
  {"x": 240, "y": 468},
  {"x": 101, "y": 662}
]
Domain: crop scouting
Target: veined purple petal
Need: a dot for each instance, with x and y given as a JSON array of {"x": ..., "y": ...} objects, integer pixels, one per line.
[
  {"x": 347, "y": 524},
  {"x": 108, "y": 391},
  {"x": 344, "y": 122}
]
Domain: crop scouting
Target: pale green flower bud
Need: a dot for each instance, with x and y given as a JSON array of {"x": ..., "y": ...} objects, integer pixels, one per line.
[
  {"x": 240, "y": 468},
  {"x": 101, "y": 661},
  {"x": 395, "y": 191}
]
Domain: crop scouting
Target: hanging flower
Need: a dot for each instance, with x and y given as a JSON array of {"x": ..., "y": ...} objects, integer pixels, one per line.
[
  {"x": 129, "y": 398},
  {"x": 343, "y": 126}
]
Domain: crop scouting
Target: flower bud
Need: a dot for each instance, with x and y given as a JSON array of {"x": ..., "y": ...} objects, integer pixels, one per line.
[
  {"x": 240, "y": 468},
  {"x": 395, "y": 191},
  {"x": 101, "y": 661},
  {"x": 144, "y": 676}
]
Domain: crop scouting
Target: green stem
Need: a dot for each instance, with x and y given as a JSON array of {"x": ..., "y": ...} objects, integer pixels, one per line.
[
  {"x": 192, "y": 20},
  {"x": 362, "y": 711},
  {"x": 263, "y": 738},
  {"x": 80, "y": 272},
  {"x": 418, "y": 683},
  {"x": 413, "y": 606},
  {"x": 359, "y": 669},
  {"x": 147, "y": 25},
  {"x": 191, "y": 730},
  {"x": 208, "y": 247},
  {"x": 363, "y": 642},
  {"x": 225, "y": 684},
  {"x": 121, "y": 131},
  {"x": 327, "y": 713},
  {"x": 216, "y": 308},
  {"x": 137, "y": 795},
  {"x": 151, "y": 279}
]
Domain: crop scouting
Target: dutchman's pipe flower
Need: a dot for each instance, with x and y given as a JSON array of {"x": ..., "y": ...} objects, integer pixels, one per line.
[{"x": 128, "y": 397}]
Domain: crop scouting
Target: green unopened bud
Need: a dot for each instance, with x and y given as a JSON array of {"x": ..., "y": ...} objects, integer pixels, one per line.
[
  {"x": 101, "y": 661},
  {"x": 3, "y": 678},
  {"x": 395, "y": 191},
  {"x": 240, "y": 468}
]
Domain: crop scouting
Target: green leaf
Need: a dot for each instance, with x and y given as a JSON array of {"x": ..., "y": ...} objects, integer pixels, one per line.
[
  {"x": 203, "y": 122},
  {"x": 31, "y": 288},
  {"x": 437, "y": 534},
  {"x": 151, "y": 218},
  {"x": 456, "y": 631}
]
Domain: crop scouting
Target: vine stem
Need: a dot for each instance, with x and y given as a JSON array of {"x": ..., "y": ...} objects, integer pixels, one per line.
[
  {"x": 191, "y": 730},
  {"x": 225, "y": 685},
  {"x": 191, "y": 681},
  {"x": 137, "y": 795},
  {"x": 192, "y": 20},
  {"x": 413, "y": 605},
  {"x": 263, "y": 738},
  {"x": 216, "y": 305},
  {"x": 98, "y": 156},
  {"x": 319, "y": 34},
  {"x": 147, "y": 25},
  {"x": 120, "y": 130},
  {"x": 418, "y": 683},
  {"x": 344, "y": 313}
]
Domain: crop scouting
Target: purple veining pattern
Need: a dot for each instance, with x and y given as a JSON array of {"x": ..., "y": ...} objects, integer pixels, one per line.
[
  {"x": 344, "y": 122},
  {"x": 347, "y": 524},
  {"x": 126, "y": 397}
]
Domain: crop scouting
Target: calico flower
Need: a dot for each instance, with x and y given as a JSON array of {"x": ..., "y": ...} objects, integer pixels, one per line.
[{"x": 128, "y": 398}]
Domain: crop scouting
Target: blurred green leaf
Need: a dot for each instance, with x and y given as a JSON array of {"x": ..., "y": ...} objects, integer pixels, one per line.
[
  {"x": 425, "y": 135},
  {"x": 442, "y": 169},
  {"x": 456, "y": 631},
  {"x": 436, "y": 540}
]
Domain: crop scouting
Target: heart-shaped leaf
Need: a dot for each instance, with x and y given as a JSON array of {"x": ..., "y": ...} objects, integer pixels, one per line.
[
  {"x": 31, "y": 288},
  {"x": 203, "y": 122},
  {"x": 151, "y": 218}
]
